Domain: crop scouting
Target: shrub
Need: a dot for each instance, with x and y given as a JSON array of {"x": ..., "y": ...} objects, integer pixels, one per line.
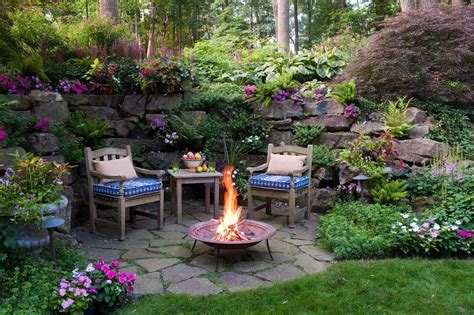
[
  {"x": 359, "y": 230},
  {"x": 322, "y": 156},
  {"x": 413, "y": 51},
  {"x": 163, "y": 76},
  {"x": 344, "y": 93},
  {"x": 305, "y": 135}
]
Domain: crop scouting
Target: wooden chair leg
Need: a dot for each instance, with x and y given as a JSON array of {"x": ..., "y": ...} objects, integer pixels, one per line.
[
  {"x": 93, "y": 215},
  {"x": 161, "y": 215},
  {"x": 308, "y": 204},
  {"x": 132, "y": 217},
  {"x": 249, "y": 202},
  {"x": 121, "y": 218},
  {"x": 268, "y": 207},
  {"x": 291, "y": 204}
]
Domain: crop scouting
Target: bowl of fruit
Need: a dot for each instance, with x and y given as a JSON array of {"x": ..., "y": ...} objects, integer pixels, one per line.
[{"x": 192, "y": 160}]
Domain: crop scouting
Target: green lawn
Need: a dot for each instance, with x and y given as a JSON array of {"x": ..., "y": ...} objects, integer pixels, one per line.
[{"x": 359, "y": 287}]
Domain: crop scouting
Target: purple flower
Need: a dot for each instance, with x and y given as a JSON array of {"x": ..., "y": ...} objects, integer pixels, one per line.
[
  {"x": 158, "y": 123},
  {"x": 3, "y": 134},
  {"x": 67, "y": 303},
  {"x": 115, "y": 263},
  {"x": 466, "y": 234}
]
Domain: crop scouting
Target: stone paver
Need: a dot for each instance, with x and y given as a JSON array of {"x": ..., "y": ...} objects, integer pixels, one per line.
[
  {"x": 238, "y": 282},
  {"x": 251, "y": 266},
  {"x": 154, "y": 264},
  {"x": 195, "y": 286},
  {"x": 165, "y": 262},
  {"x": 281, "y": 273},
  {"x": 148, "y": 284},
  {"x": 181, "y": 272}
]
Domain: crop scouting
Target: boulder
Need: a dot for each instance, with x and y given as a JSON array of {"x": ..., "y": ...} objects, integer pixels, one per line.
[
  {"x": 325, "y": 107},
  {"x": 25, "y": 114},
  {"x": 329, "y": 122},
  {"x": 416, "y": 116},
  {"x": 134, "y": 104},
  {"x": 23, "y": 102},
  {"x": 377, "y": 117},
  {"x": 191, "y": 116},
  {"x": 279, "y": 110},
  {"x": 55, "y": 111},
  {"x": 149, "y": 117},
  {"x": 368, "y": 127},
  {"x": 418, "y": 151},
  {"x": 113, "y": 100},
  {"x": 103, "y": 113},
  {"x": 45, "y": 96},
  {"x": 324, "y": 173},
  {"x": 419, "y": 131},
  {"x": 43, "y": 142},
  {"x": 336, "y": 140},
  {"x": 277, "y": 137},
  {"x": 322, "y": 198},
  {"x": 121, "y": 128},
  {"x": 281, "y": 124},
  {"x": 346, "y": 175},
  {"x": 158, "y": 103},
  {"x": 7, "y": 156}
]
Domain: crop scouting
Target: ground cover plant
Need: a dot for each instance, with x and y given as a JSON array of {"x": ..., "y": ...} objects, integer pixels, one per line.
[{"x": 348, "y": 287}]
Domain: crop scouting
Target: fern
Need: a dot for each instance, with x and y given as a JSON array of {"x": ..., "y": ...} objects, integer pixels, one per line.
[
  {"x": 389, "y": 192},
  {"x": 396, "y": 118},
  {"x": 344, "y": 93}
]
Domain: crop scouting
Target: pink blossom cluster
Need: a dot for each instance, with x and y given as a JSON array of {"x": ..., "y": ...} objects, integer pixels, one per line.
[
  {"x": 20, "y": 85},
  {"x": 79, "y": 288},
  {"x": 42, "y": 124},
  {"x": 73, "y": 87},
  {"x": 112, "y": 274},
  {"x": 466, "y": 234},
  {"x": 250, "y": 90},
  {"x": 3, "y": 134},
  {"x": 351, "y": 112}
]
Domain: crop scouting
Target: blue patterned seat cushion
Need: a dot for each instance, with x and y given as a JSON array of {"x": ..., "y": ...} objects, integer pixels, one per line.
[
  {"x": 278, "y": 181},
  {"x": 132, "y": 188}
]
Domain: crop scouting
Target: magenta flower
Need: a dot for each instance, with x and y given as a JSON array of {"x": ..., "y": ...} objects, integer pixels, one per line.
[
  {"x": 115, "y": 264},
  {"x": 434, "y": 234},
  {"x": 111, "y": 274},
  {"x": 67, "y": 303},
  {"x": 3, "y": 134},
  {"x": 465, "y": 234}
]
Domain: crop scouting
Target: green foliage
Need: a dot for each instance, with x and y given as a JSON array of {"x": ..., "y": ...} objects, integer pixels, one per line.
[
  {"x": 386, "y": 192},
  {"x": 28, "y": 280},
  {"x": 322, "y": 156},
  {"x": 452, "y": 127},
  {"x": 72, "y": 69},
  {"x": 7, "y": 115},
  {"x": 188, "y": 133},
  {"x": 358, "y": 230},
  {"x": 395, "y": 118},
  {"x": 266, "y": 91},
  {"x": 88, "y": 129},
  {"x": 70, "y": 145},
  {"x": 225, "y": 89},
  {"x": 163, "y": 75},
  {"x": 304, "y": 135},
  {"x": 344, "y": 93},
  {"x": 31, "y": 64}
]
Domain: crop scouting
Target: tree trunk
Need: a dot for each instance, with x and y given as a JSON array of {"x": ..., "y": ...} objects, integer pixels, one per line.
[
  {"x": 408, "y": 5},
  {"x": 151, "y": 49},
  {"x": 342, "y": 4},
  {"x": 297, "y": 37},
  {"x": 424, "y": 4},
  {"x": 275, "y": 15},
  {"x": 109, "y": 8},
  {"x": 180, "y": 29},
  {"x": 309, "y": 7},
  {"x": 283, "y": 32},
  {"x": 458, "y": 2}
]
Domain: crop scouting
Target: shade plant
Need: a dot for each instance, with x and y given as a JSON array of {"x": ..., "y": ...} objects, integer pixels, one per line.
[{"x": 163, "y": 75}]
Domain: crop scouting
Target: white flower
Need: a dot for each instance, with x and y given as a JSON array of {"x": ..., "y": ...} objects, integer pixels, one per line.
[
  {"x": 90, "y": 268},
  {"x": 454, "y": 227},
  {"x": 405, "y": 215},
  {"x": 415, "y": 219},
  {"x": 458, "y": 222},
  {"x": 404, "y": 228},
  {"x": 413, "y": 224},
  {"x": 108, "y": 281},
  {"x": 400, "y": 224},
  {"x": 416, "y": 229},
  {"x": 436, "y": 226}
]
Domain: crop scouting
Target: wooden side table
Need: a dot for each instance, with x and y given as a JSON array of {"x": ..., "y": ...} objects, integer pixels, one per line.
[{"x": 183, "y": 177}]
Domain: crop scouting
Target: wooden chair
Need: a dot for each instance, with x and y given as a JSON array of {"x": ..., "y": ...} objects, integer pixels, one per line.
[
  {"x": 121, "y": 197},
  {"x": 296, "y": 184}
]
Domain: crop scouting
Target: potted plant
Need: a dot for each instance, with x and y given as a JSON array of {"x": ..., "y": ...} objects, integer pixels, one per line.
[
  {"x": 102, "y": 77},
  {"x": 30, "y": 193}
]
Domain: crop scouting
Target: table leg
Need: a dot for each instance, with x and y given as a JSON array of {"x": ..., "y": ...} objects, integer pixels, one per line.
[
  {"x": 208, "y": 198},
  {"x": 173, "y": 195},
  {"x": 216, "y": 198},
  {"x": 179, "y": 201}
]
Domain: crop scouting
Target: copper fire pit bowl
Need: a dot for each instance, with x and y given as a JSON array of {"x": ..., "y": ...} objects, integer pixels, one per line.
[{"x": 255, "y": 231}]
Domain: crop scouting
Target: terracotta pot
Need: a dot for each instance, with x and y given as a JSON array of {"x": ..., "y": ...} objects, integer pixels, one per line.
[{"x": 105, "y": 89}]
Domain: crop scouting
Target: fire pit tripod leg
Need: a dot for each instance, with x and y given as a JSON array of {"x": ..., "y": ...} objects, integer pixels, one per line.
[
  {"x": 269, "y": 251},
  {"x": 194, "y": 245},
  {"x": 217, "y": 260}
]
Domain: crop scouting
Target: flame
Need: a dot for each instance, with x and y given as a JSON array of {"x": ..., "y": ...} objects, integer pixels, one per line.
[{"x": 228, "y": 228}]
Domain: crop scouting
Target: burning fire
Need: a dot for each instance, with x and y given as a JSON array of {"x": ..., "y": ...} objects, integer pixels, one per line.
[{"x": 228, "y": 228}]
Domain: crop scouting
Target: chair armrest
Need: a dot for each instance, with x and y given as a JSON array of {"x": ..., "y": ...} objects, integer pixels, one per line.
[
  {"x": 299, "y": 172},
  {"x": 262, "y": 167},
  {"x": 118, "y": 178},
  {"x": 156, "y": 173}
]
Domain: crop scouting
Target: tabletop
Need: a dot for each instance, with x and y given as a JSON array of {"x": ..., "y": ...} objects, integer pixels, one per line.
[{"x": 184, "y": 173}]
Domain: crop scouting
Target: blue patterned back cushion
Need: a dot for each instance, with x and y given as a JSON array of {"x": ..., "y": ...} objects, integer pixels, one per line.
[
  {"x": 278, "y": 181},
  {"x": 132, "y": 188}
]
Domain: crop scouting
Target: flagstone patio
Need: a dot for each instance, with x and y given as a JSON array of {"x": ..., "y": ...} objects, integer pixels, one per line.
[{"x": 164, "y": 262}]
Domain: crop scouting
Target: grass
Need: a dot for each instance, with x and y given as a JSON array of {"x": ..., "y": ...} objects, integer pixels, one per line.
[{"x": 400, "y": 286}]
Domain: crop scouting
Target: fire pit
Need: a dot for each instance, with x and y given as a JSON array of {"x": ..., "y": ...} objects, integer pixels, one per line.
[{"x": 230, "y": 232}]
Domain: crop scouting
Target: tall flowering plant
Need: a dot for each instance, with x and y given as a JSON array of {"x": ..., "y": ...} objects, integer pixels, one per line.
[
  {"x": 98, "y": 284},
  {"x": 163, "y": 76}
]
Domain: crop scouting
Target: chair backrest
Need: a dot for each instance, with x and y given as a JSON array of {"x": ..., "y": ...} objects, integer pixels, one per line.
[
  {"x": 104, "y": 154},
  {"x": 291, "y": 150}
]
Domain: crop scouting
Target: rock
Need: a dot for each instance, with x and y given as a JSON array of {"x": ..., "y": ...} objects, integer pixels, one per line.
[
  {"x": 281, "y": 124},
  {"x": 418, "y": 151},
  {"x": 148, "y": 284},
  {"x": 324, "y": 173},
  {"x": 336, "y": 140},
  {"x": 420, "y": 131},
  {"x": 102, "y": 113},
  {"x": 329, "y": 122},
  {"x": 277, "y": 137},
  {"x": 113, "y": 100},
  {"x": 23, "y": 102},
  {"x": 191, "y": 116},
  {"x": 25, "y": 114},
  {"x": 138, "y": 253},
  {"x": 54, "y": 111},
  {"x": 154, "y": 264},
  {"x": 7, "y": 156},
  {"x": 176, "y": 251},
  {"x": 181, "y": 272},
  {"x": 346, "y": 174},
  {"x": 281, "y": 273},
  {"x": 45, "y": 96},
  {"x": 368, "y": 127},
  {"x": 195, "y": 286},
  {"x": 325, "y": 107},
  {"x": 43, "y": 142},
  {"x": 163, "y": 102},
  {"x": 251, "y": 266},
  {"x": 309, "y": 264},
  {"x": 279, "y": 110},
  {"x": 416, "y": 116},
  {"x": 208, "y": 262},
  {"x": 238, "y": 282},
  {"x": 318, "y": 253},
  {"x": 134, "y": 104},
  {"x": 94, "y": 254},
  {"x": 322, "y": 198},
  {"x": 376, "y": 116},
  {"x": 121, "y": 127}
]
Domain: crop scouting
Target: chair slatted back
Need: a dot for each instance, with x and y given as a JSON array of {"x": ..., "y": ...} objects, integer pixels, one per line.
[{"x": 104, "y": 154}]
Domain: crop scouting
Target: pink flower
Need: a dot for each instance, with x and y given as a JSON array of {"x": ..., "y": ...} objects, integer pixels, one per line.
[
  {"x": 434, "y": 234},
  {"x": 104, "y": 268},
  {"x": 465, "y": 234},
  {"x": 111, "y": 274},
  {"x": 426, "y": 225},
  {"x": 3, "y": 134},
  {"x": 62, "y": 292},
  {"x": 122, "y": 280},
  {"x": 115, "y": 263},
  {"x": 67, "y": 303},
  {"x": 130, "y": 276},
  {"x": 63, "y": 284}
]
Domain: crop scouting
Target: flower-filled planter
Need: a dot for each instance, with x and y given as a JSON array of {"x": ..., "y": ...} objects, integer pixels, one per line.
[{"x": 30, "y": 194}]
